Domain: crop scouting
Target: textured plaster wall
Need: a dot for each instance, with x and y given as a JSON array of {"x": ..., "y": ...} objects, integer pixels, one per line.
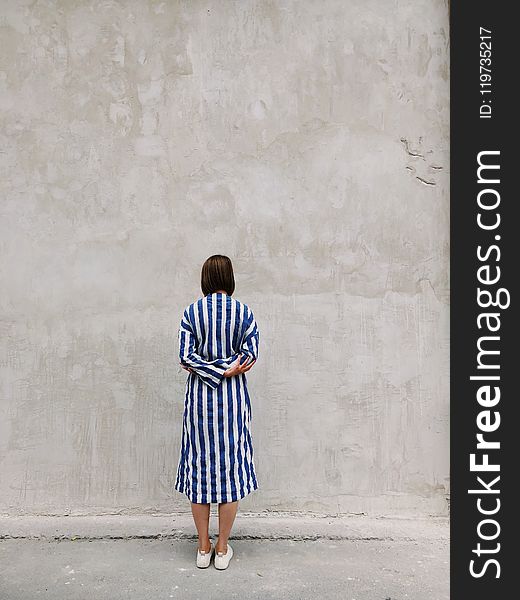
[{"x": 308, "y": 141}]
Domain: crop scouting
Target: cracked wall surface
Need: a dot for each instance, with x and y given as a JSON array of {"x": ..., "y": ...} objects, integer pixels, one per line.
[{"x": 308, "y": 141}]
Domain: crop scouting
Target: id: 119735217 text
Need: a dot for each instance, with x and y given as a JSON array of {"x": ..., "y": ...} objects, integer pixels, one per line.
[{"x": 485, "y": 73}]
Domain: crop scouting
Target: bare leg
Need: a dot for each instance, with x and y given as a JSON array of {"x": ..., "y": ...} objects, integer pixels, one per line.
[
  {"x": 226, "y": 515},
  {"x": 200, "y": 514}
]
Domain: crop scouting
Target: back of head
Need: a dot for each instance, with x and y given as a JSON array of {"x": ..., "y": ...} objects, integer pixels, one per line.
[{"x": 217, "y": 274}]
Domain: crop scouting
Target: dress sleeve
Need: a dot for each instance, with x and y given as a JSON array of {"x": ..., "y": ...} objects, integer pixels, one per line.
[
  {"x": 211, "y": 372},
  {"x": 251, "y": 337}
]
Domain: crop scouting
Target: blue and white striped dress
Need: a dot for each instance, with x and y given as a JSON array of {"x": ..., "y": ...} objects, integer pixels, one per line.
[{"x": 216, "y": 457}]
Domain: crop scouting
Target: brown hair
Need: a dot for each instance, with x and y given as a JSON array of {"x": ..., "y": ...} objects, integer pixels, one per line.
[{"x": 217, "y": 274}]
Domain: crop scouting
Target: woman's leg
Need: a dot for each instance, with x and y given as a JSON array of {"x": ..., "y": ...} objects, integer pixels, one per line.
[
  {"x": 226, "y": 515},
  {"x": 200, "y": 514}
]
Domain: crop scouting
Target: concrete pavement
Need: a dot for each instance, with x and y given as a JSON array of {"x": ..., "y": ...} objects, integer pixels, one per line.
[{"x": 285, "y": 556}]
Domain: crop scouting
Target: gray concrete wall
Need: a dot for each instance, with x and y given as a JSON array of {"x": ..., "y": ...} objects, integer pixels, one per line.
[{"x": 308, "y": 141}]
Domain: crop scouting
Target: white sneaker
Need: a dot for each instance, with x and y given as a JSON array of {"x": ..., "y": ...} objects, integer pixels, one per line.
[
  {"x": 204, "y": 558},
  {"x": 222, "y": 560}
]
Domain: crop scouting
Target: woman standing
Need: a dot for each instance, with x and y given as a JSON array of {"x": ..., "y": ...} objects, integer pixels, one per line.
[{"x": 218, "y": 340}]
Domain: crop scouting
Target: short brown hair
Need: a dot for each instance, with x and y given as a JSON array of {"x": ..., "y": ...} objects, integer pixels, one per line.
[{"x": 217, "y": 274}]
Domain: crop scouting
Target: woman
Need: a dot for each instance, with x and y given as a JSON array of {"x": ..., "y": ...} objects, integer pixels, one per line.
[{"x": 218, "y": 340}]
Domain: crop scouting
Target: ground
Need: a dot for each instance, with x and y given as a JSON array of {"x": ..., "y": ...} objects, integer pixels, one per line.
[{"x": 113, "y": 558}]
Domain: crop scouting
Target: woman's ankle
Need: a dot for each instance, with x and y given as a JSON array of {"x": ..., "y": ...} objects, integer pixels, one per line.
[
  {"x": 205, "y": 545},
  {"x": 221, "y": 547}
]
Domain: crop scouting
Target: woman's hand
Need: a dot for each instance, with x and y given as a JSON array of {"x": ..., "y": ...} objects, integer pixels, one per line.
[
  {"x": 186, "y": 368},
  {"x": 239, "y": 367}
]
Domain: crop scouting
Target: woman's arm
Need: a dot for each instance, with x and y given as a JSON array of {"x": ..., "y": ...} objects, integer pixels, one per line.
[
  {"x": 248, "y": 348},
  {"x": 250, "y": 339},
  {"x": 210, "y": 371}
]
